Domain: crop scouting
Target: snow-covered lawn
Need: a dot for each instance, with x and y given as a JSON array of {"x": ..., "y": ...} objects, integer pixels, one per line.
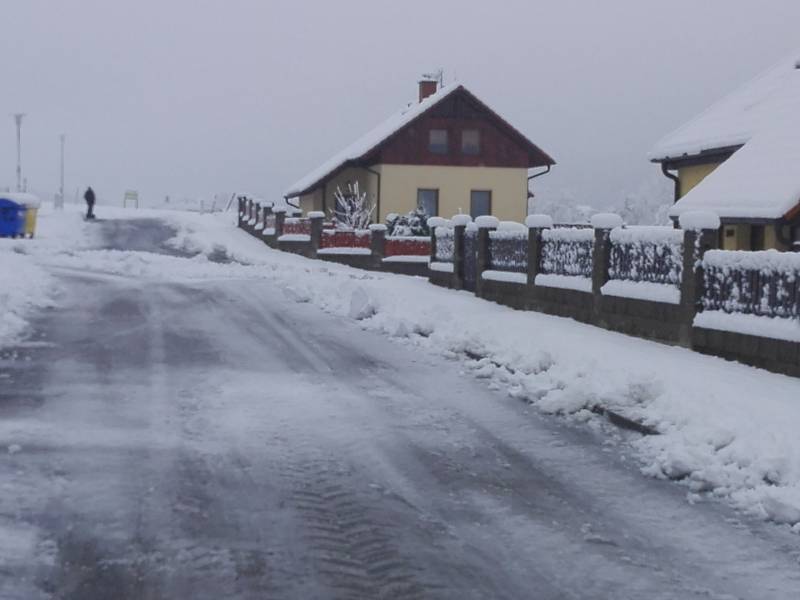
[{"x": 725, "y": 429}]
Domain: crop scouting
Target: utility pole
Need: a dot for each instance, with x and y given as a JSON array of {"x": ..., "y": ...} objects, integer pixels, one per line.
[
  {"x": 61, "y": 138},
  {"x": 18, "y": 120}
]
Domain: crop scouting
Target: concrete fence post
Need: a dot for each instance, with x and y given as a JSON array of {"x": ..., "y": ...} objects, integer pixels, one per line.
[
  {"x": 280, "y": 216},
  {"x": 700, "y": 234},
  {"x": 536, "y": 224},
  {"x": 458, "y": 256},
  {"x": 602, "y": 223},
  {"x": 267, "y": 213},
  {"x": 316, "y": 218},
  {"x": 433, "y": 223},
  {"x": 377, "y": 244},
  {"x": 485, "y": 224},
  {"x": 241, "y": 213}
]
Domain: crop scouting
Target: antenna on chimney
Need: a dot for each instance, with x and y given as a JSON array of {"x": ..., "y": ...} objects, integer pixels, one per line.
[{"x": 437, "y": 76}]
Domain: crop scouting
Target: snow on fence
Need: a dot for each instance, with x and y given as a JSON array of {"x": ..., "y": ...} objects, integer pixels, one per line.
[
  {"x": 445, "y": 244},
  {"x": 567, "y": 252},
  {"x": 338, "y": 238},
  {"x": 295, "y": 226},
  {"x": 407, "y": 246},
  {"x": 508, "y": 249},
  {"x": 763, "y": 283}
]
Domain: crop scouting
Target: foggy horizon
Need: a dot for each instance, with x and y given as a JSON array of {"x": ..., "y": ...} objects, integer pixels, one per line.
[{"x": 196, "y": 98}]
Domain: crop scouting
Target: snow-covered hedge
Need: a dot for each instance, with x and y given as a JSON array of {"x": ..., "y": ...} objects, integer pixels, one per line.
[
  {"x": 567, "y": 251},
  {"x": 648, "y": 254},
  {"x": 759, "y": 283}
]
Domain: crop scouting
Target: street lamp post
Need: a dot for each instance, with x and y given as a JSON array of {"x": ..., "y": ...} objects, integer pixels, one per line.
[
  {"x": 18, "y": 120},
  {"x": 62, "y": 138}
]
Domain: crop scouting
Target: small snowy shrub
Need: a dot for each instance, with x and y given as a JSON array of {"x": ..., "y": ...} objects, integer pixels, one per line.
[
  {"x": 414, "y": 223},
  {"x": 351, "y": 210}
]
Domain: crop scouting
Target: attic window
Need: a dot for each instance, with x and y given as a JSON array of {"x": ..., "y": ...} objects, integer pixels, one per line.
[
  {"x": 471, "y": 141},
  {"x": 437, "y": 141}
]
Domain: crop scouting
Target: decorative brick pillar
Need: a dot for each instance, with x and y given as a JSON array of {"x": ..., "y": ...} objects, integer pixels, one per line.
[
  {"x": 602, "y": 223},
  {"x": 700, "y": 234},
  {"x": 267, "y": 213},
  {"x": 485, "y": 224},
  {"x": 242, "y": 206},
  {"x": 316, "y": 218},
  {"x": 377, "y": 244},
  {"x": 536, "y": 224}
]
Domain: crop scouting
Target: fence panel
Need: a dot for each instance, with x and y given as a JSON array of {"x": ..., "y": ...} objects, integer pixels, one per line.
[
  {"x": 567, "y": 251},
  {"x": 508, "y": 251},
  {"x": 647, "y": 254},
  {"x": 445, "y": 241},
  {"x": 338, "y": 238},
  {"x": 755, "y": 283}
]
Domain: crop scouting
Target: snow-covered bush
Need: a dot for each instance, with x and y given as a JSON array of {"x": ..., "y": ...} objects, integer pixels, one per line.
[
  {"x": 351, "y": 209},
  {"x": 567, "y": 251},
  {"x": 414, "y": 223}
]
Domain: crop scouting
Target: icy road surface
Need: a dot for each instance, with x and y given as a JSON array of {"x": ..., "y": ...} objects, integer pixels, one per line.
[{"x": 216, "y": 439}]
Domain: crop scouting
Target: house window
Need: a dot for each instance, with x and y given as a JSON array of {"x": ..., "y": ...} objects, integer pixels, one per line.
[
  {"x": 428, "y": 201},
  {"x": 471, "y": 142},
  {"x": 480, "y": 203},
  {"x": 437, "y": 141},
  {"x": 757, "y": 237}
]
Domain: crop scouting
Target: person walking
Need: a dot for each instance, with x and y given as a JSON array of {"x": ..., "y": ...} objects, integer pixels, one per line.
[{"x": 89, "y": 197}]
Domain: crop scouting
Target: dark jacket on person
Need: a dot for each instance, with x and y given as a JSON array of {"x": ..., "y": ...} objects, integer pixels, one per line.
[{"x": 89, "y": 196}]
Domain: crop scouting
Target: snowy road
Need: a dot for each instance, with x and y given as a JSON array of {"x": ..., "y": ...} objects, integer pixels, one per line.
[{"x": 216, "y": 439}]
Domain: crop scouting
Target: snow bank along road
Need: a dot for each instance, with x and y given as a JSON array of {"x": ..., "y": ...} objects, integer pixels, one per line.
[{"x": 217, "y": 439}]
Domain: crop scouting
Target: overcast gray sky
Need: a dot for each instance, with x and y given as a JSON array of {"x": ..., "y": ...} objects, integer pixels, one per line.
[{"x": 193, "y": 97}]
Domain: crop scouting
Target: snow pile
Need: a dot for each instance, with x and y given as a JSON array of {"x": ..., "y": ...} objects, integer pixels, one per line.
[
  {"x": 505, "y": 276},
  {"x": 696, "y": 220},
  {"x": 725, "y": 429},
  {"x": 606, "y": 221},
  {"x": 461, "y": 220},
  {"x": 764, "y": 261},
  {"x": 642, "y": 290},
  {"x": 778, "y": 328},
  {"x": 566, "y": 282},
  {"x": 24, "y": 284},
  {"x": 487, "y": 222},
  {"x": 647, "y": 234},
  {"x": 540, "y": 221}
]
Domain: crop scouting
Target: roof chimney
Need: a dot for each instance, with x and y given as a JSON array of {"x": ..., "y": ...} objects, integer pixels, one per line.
[{"x": 427, "y": 87}]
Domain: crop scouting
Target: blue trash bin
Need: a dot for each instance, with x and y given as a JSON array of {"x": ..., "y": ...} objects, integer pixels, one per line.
[{"x": 12, "y": 218}]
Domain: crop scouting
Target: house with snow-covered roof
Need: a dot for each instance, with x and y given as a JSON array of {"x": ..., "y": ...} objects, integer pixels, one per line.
[
  {"x": 739, "y": 159},
  {"x": 446, "y": 153}
]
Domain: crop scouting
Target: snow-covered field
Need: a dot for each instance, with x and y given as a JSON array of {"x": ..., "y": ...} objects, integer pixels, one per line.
[{"x": 725, "y": 429}]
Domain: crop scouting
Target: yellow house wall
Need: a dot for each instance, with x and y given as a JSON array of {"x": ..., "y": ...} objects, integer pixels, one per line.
[
  {"x": 691, "y": 176},
  {"x": 736, "y": 237},
  {"x": 399, "y": 185},
  {"x": 741, "y": 238}
]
